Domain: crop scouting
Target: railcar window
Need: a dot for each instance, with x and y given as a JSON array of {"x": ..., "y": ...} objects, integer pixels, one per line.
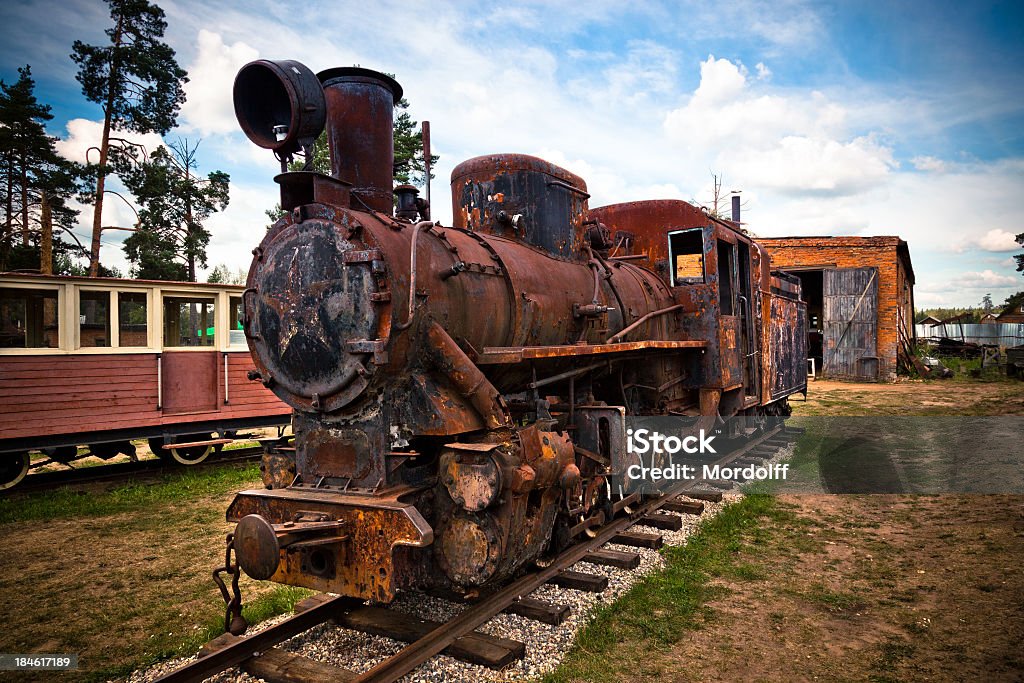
[
  {"x": 29, "y": 319},
  {"x": 93, "y": 319},
  {"x": 189, "y": 321},
  {"x": 132, "y": 319},
  {"x": 237, "y": 336},
  {"x": 686, "y": 253}
]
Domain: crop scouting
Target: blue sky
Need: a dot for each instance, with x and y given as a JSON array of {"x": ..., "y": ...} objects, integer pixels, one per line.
[{"x": 882, "y": 118}]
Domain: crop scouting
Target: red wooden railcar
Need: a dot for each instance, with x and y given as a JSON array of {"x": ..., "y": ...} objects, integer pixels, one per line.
[{"x": 102, "y": 361}]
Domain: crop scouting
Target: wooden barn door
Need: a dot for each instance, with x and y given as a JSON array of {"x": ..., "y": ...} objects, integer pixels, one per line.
[{"x": 850, "y": 316}]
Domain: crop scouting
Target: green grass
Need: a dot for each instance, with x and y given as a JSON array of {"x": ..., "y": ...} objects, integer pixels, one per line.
[
  {"x": 833, "y": 601},
  {"x": 166, "y": 645},
  {"x": 659, "y": 609},
  {"x": 183, "y": 486}
]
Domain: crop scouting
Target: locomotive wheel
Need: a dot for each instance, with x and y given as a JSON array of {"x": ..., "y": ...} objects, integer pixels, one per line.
[
  {"x": 13, "y": 468},
  {"x": 190, "y": 455},
  {"x": 61, "y": 454}
]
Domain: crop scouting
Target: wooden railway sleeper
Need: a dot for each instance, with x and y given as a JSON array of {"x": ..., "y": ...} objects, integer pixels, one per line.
[{"x": 234, "y": 622}]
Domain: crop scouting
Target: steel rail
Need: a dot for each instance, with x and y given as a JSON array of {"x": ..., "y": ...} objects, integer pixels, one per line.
[{"x": 251, "y": 646}]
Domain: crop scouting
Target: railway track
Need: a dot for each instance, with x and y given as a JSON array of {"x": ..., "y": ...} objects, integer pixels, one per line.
[
  {"x": 260, "y": 655},
  {"x": 46, "y": 481}
]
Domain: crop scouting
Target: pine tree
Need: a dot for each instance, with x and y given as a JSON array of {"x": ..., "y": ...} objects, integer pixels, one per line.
[
  {"x": 409, "y": 166},
  {"x": 175, "y": 202},
  {"x": 36, "y": 182},
  {"x": 137, "y": 82}
]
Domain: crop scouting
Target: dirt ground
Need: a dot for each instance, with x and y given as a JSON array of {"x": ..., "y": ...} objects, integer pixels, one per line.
[
  {"x": 869, "y": 588},
  {"x": 912, "y": 397},
  {"x": 114, "y": 588}
]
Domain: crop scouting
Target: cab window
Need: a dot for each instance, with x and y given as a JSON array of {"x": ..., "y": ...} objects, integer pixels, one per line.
[{"x": 686, "y": 256}]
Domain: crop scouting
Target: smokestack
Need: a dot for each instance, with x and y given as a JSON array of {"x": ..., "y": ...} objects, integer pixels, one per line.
[
  {"x": 360, "y": 115},
  {"x": 736, "y": 208}
]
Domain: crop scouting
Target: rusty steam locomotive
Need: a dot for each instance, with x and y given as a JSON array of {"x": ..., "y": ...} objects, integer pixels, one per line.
[{"x": 459, "y": 392}]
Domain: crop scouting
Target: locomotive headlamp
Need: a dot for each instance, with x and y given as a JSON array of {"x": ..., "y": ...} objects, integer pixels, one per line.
[{"x": 280, "y": 105}]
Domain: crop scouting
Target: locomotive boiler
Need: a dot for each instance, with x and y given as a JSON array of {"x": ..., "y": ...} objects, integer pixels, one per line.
[{"x": 460, "y": 393}]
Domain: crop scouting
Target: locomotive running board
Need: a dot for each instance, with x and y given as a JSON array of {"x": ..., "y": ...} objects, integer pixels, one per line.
[{"x": 493, "y": 355}]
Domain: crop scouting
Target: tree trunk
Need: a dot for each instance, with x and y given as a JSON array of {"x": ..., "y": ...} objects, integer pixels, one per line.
[
  {"x": 101, "y": 177},
  {"x": 24, "y": 200},
  {"x": 46, "y": 237},
  {"x": 7, "y": 239},
  {"x": 97, "y": 214},
  {"x": 190, "y": 250}
]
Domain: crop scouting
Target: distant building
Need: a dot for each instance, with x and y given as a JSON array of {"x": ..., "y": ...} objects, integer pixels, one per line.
[
  {"x": 1012, "y": 315},
  {"x": 860, "y": 300},
  {"x": 988, "y": 319},
  {"x": 929, "y": 320}
]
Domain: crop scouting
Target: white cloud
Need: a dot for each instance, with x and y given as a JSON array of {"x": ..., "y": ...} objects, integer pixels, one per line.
[
  {"x": 998, "y": 240},
  {"x": 84, "y": 135},
  {"x": 792, "y": 143},
  {"x": 984, "y": 279},
  {"x": 720, "y": 82},
  {"x": 763, "y": 72},
  {"x": 209, "y": 108},
  {"x": 927, "y": 163}
]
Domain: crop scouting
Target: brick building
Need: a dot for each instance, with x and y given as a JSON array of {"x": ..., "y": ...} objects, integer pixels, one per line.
[{"x": 859, "y": 293}]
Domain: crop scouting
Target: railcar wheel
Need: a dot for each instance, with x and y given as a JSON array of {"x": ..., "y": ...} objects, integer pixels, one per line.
[
  {"x": 189, "y": 455},
  {"x": 13, "y": 468},
  {"x": 192, "y": 455}
]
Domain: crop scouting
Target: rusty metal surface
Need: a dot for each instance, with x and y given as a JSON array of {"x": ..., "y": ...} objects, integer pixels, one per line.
[
  {"x": 521, "y": 197},
  {"x": 642, "y": 227},
  {"x": 269, "y": 94},
  {"x": 365, "y": 564},
  {"x": 360, "y": 105}
]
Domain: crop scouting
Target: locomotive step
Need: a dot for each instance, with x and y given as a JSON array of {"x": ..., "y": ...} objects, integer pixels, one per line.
[
  {"x": 689, "y": 507},
  {"x": 539, "y": 610},
  {"x": 581, "y": 581},
  {"x": 666, "y": 522}
]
